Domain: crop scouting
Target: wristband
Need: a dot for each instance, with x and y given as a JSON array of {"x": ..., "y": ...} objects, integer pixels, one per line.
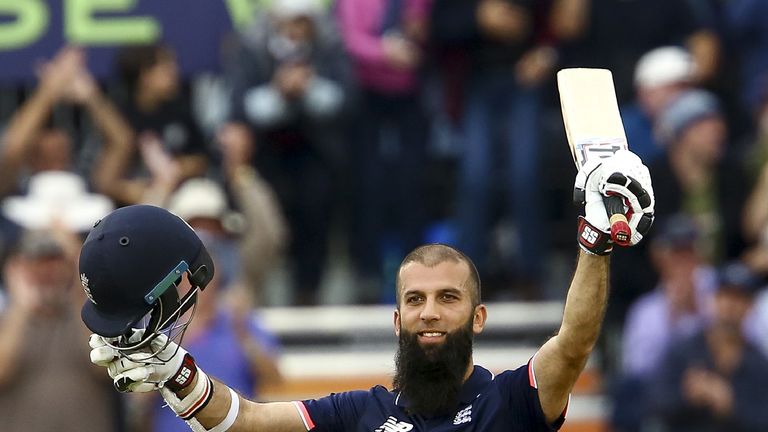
[
  {"x": 593, "y": 240},
  {"x": 229, "y": 420}
]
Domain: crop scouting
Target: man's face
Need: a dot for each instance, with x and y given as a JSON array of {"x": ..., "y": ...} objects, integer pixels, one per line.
[
  {"x": 435, "y": 324},
  {"x": 298, "y": 29},
  {"x": 52, "y": 152},
  {"x": 52, "y": 278},
  {"x": 705, "y": 138},
  {"x": 434, "y": 301},
  {"x": 653, "y": 99},
  {"x": 162, "y": 78},
  {"x": 731, "y": 308}
]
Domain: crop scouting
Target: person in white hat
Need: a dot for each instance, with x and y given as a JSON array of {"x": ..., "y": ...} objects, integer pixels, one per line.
[
  {"x": 245, "y": 217},
  {"x": 56, "y": 199},
  {"x": 661, "y": 75}
]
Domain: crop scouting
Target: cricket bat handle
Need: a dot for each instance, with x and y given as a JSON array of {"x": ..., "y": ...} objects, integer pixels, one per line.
[{"x": 621, "y": 233}]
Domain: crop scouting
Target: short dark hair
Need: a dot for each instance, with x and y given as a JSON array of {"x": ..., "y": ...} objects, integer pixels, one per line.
[
  {"x": 133, "y": 60},
  {"x": 433, "y": 254}
]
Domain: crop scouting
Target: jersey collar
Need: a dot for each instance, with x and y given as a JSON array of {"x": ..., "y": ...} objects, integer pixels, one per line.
[{"x": 475, "y": 385}]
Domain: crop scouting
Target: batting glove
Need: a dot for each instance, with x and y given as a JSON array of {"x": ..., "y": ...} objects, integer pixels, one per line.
[
  {"x": 624, "y": 175},
  {"x": 144, "y": 371},
  {"x": 165, "y": 366}
]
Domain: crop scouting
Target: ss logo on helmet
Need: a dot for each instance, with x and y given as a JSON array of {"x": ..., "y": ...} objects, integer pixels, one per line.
[{"x": 84, "y": 282}]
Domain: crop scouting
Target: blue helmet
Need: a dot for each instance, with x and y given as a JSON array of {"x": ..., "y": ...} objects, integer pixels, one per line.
[{"x": 130, "y": 266}]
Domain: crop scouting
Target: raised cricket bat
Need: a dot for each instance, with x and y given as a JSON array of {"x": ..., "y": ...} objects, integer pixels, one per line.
[{"x": 594, "y": 129}]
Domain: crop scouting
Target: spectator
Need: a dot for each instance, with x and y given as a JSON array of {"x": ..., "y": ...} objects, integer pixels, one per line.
[
  {"x": 505, "y": 73},
  {"x": 756, "y": 326},
  {"x": 615, "y": 34},
  {"x": 750, "y": 33},
  {"x": 385, "y": 40},
  {"x": 715, "y": 380},
  {"x": 41, "y": 354},
  {"x": 755, "y": 219},
  {"x": 661, "y": 75},
  {"x": 291, "y": 81},
  {"x": 679, "y": 306},
  {"x": 56, "y": 198},
  {"x": 32, "y": 145},
  {"x": 700, "y": 177},
  {"x": 249, "y": 242},
  {"x": 756, "y": 154},
  {"x": 160, "y": 115}
]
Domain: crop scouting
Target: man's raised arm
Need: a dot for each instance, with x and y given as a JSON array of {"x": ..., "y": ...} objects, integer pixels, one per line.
[
  {"x": 559, "y": 362},
  {"x": 561, "y": 359}
]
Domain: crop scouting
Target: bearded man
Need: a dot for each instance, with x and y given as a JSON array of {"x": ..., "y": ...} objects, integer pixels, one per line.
[{"x": 437, "y": 386}]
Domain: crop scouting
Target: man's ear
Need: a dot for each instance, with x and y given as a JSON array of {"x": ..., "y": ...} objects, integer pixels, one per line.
[
  {"x": 397, "y": 322},
  {"x": 479, "y": 318}
]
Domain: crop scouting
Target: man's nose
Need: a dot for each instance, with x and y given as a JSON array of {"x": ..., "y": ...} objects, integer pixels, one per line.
[{"x": 430, "y": 311}]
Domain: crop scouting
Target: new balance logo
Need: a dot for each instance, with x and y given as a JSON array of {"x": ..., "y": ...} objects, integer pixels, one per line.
[
  {"x": 392, "y": 425},
  {"x": 463, "y": 416}
]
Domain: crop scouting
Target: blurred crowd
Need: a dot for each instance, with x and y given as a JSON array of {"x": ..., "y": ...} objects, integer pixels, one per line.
[{"x": 353, "y": 131}]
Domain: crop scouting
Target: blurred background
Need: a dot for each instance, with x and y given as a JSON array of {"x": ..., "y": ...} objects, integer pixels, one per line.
[{"x": 313, "y": 143}]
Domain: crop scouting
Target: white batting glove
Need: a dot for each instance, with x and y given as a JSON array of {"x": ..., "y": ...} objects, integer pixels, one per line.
[
  {"x": 622, "y": 174},
  {"x": 139, "y": 371},
  {"x": 170, "y": 370}
]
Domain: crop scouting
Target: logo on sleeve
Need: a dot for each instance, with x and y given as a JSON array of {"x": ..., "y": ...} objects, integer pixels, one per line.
[
  {"x": 392, "y": 425},
  {"x": 463, "y": 416}
]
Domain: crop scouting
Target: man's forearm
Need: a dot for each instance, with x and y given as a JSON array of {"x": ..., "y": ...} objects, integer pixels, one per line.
[
  {"x": 559, "y": 362},
  {"x": 247, "y": 416},
  {"x": 584, "y": 306}
]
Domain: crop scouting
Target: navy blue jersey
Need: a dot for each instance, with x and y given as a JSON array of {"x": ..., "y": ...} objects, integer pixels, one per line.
[{"x": 506, "y": 402}]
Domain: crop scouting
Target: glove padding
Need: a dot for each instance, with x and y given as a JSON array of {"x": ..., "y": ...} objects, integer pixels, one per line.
[
  {"x": 621, "y": 174},
  {"x": 143, "y": 371}
]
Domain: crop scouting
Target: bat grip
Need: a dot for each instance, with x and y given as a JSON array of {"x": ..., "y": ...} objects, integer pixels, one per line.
[{"x": 621, "y": 233}]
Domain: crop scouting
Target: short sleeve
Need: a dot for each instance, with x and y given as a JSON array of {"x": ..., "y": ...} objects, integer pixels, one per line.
[
  {"x": 518, "y": 389},
  {"x": 336, "y": 412}
]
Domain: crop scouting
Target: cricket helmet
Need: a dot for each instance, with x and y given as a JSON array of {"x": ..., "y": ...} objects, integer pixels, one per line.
[{"x": 131, "y": 267}]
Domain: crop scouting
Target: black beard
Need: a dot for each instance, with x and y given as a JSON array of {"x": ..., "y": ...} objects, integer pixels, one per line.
[{"x": 430, "y": 379}]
